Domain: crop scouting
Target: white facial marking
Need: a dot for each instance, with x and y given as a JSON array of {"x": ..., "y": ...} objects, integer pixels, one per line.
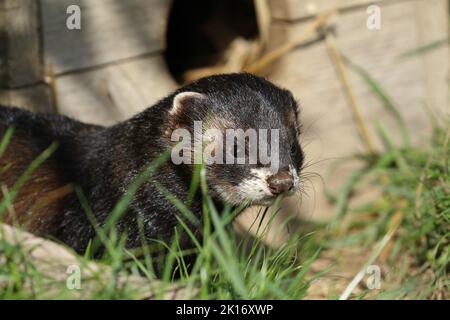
[{"x": 255, "y": 189}]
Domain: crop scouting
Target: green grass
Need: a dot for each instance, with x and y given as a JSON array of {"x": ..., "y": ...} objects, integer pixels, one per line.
[
  {"x": 408, "y": 227},
  {"x": 415, "y": 189}
]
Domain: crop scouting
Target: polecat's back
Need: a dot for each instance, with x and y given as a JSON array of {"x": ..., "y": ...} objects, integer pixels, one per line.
[{"x": 37, "y": 201}]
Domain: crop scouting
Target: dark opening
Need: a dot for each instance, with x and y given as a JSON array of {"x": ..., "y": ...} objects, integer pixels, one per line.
[{"x": 199, "y": 31}]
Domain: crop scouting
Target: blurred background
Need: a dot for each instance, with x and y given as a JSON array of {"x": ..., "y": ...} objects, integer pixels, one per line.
[{"x": 351, "y": 64}]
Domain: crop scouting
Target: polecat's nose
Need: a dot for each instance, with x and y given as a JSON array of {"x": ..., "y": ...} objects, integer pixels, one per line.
[{"x": 280, "y": 182}]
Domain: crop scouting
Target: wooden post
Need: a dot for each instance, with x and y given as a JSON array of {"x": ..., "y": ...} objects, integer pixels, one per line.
[{"x": 21, "y": 66}]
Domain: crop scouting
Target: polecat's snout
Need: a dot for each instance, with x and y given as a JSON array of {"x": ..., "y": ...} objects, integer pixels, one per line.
[{"x": 280, "y": 182}]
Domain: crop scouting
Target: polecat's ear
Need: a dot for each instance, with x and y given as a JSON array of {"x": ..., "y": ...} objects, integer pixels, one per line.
[
  {"x": 186, "y": 108},
  {"x": 185, "y": 101}
]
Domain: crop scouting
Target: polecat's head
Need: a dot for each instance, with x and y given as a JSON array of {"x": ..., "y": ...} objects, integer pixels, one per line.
[{"x": 245, "y": 130}]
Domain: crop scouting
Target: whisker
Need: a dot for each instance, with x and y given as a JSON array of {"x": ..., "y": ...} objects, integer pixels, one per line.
[{"x": 313, "y": 162}]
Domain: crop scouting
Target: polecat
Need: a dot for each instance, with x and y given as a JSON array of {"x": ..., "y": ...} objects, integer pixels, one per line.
[{"x": 104, "y": 161}]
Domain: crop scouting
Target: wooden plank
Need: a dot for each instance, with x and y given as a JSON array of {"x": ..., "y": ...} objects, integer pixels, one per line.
[
  {"x": 377, "y": 51},
  {"x": 20, "y": 60},
  {"x": 329, "y": 130},
  {"x": 432, "y": 26},
  {"x": 36, "y": 98},
  {"x": 21, "y": 69},
  {"x": 110, "y": 31},
  {"x": 299, "y": 9},
  {"x": 115, "y": 92}
]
